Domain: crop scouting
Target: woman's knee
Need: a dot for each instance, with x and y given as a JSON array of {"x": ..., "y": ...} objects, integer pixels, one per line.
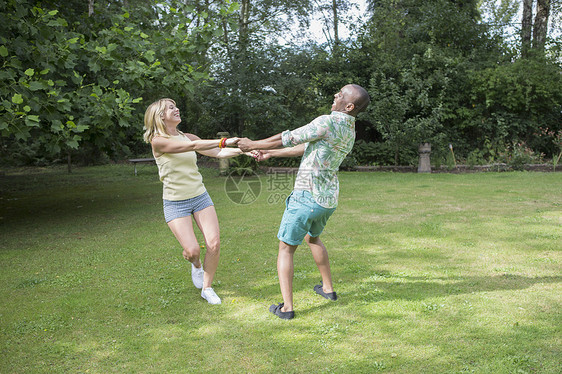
[
  {"x": 191, "y": 253},
  {"x": 213, "y": 245}
]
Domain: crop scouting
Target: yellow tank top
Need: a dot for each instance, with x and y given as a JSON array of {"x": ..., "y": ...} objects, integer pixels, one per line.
[{"x": 179, "y": 173}]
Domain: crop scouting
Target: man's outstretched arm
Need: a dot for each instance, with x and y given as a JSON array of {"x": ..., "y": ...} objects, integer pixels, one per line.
[
  {"x": 248, "y": 145},
  {"x": 296, "y": 151}
]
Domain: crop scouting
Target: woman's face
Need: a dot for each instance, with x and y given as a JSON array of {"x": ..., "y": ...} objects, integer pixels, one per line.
[{"x": 171, "y": 114}]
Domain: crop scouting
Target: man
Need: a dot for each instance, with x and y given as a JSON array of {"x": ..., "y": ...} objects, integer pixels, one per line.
[{"x": 323, "y": 143}]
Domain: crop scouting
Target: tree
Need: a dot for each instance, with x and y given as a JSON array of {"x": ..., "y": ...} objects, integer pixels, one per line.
[
  {"x": 540, "y": 27},
  {"x": 526, "y": 27},
  {"x": 536, "y": 31},
  {"x": 333, "y": 14},
  {"x": 65, "y": 90},
  {"x": 500, "y": 16},
  {"x": 418, "y": 57},
  {"x": 244, "y": 68},
  {"x": 511, "y": 101}
]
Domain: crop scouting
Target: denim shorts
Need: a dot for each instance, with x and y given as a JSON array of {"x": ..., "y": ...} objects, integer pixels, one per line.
[
  {"x": 302, "y": 216},
  {"x": 184, "y": 208}
]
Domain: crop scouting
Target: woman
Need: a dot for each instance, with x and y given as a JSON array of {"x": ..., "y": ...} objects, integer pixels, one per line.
[{"x": 184, "y": 193}]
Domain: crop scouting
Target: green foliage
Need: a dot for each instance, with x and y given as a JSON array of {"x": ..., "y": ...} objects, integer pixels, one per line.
[
  {"x": 518, "y": 155},
  {"x": 372, "y": 153},
  {"x": 436, "y": 75},
  {"x": 258, "y": 84},
  {"x": 242, "y": 165},
  {"x": 35, "y": 101},
  {"x": 490, "y": 152},
  {"x": 260, "y": 93},
  {"x": 476, "y": 157},
  {"x": 414, "y": 57},
  {"x": 289, "y": 162},
  {"x": 556, "y": 140},
  {"x": 61, "y": 88},
  {"x": 74, "y": 83},
  {"x": 510, "y": 100}
]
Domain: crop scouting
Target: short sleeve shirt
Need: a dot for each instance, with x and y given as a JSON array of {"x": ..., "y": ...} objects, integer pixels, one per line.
[{"x": 328, "y": 139}]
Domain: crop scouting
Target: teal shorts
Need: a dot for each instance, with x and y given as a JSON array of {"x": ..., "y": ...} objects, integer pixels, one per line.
[{"x": 302, "y": 216}]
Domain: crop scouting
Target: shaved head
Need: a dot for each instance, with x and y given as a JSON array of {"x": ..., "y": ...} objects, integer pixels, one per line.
[
  {"x": 359, "y": 97},
  {"x": 352, "y": 99}
]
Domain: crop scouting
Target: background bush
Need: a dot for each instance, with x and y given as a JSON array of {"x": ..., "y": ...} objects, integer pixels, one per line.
[{"x": 74, "y": 83}]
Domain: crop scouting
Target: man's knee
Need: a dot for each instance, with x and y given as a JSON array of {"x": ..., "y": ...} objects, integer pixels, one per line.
[
  {"x": 312, "y": 239},
  {"x": 284, "y": 247}
]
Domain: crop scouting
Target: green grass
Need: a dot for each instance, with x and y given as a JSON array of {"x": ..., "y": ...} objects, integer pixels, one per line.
[{"x": 436, "y": 273}]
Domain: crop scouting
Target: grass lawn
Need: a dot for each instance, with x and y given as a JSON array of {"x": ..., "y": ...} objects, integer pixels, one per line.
[{"x": 436, "y": 273}]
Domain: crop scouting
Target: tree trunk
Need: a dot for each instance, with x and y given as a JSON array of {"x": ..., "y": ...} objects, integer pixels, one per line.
[
  {"x": 526, "y": 27},
  {"x": 540, "y": 28},
  {"x": 198, "y": 11},
  {"x": 69, "y": 162},
  {"x": 226, "y": 40},
  {"x": 241, "y": 57},
  {"x": 243, "y": 21},
  {"x": 335, "y": 12},
  {"x": 90, "y": 8}
]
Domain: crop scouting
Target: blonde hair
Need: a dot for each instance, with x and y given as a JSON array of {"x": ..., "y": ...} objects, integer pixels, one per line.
[{"x": 153, "y": 123}]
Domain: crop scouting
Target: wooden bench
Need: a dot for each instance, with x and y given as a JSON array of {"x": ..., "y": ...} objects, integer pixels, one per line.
[{"x": 136, "y": 161}]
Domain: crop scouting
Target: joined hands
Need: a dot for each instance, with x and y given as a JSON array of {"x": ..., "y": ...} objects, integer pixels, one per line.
[
  {"x": 232, "y": 141},
  {"x": 245, "y": 146},
  {"x": 260, "y": 155}
]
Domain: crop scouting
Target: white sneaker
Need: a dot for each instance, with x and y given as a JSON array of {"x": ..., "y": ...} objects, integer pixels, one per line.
[
  {"x": 197, "y": 276},
  {"x": 210, "y": 295}
]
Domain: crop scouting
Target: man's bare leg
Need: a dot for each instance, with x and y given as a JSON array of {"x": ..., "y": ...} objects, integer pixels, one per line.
[
  {"x": 285, "y": 271},
  {"x": 320, "y": 255}
]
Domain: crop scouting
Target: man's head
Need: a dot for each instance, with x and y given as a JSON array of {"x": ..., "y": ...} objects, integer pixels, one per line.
[{"x": 352, "y": 99}]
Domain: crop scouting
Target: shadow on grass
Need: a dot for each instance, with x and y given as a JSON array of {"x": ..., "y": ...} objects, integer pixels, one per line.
[
  {"x": 54, "y": 200},
  {"x": 385, "y": 286}
]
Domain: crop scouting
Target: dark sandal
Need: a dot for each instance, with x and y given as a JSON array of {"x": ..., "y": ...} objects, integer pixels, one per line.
[
  {"x": 330, "y": 296},
  {"x": 276, "y": 309}
]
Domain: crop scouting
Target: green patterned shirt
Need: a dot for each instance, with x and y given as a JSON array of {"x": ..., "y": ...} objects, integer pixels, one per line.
[{"x": 329, "y": 138}]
